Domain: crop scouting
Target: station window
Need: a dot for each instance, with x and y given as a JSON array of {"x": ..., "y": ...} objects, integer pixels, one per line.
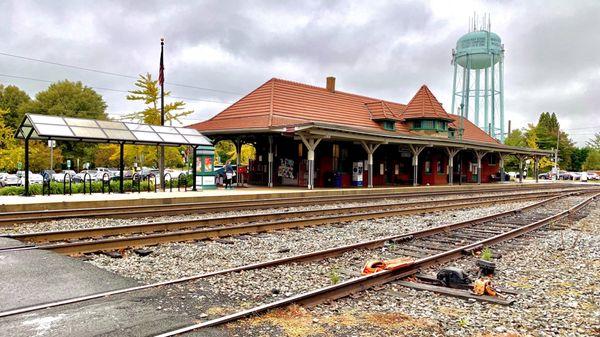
[
  {"x": 416, "y": 124},
  {"x": 440, "y": 169},
  {"x": 389, "y": 125},
  {"x": 492, "y": 160},
  {"x": 428, "y": 167}
]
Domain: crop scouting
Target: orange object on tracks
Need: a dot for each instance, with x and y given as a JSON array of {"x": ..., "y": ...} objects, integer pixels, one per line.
[{"x": 374, "y": 266}]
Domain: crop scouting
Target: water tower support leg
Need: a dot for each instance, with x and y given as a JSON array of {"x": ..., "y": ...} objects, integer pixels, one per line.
[
  {"x": 454, "y": 89},
  {"x": 501, "y": 75},
  {"x": 477, "y": 77},
  {"x": 486, "y": 102}
]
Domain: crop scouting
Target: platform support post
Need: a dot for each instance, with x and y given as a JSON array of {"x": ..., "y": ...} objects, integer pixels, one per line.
[
  {"x": 27, "y": 167},
  {"x": 311, "y": 144},
  {"x": 238, "y": 150},
  {"x": 451, "y": 154},
  {"x": 270, "y": 162},
  {"x": 501, "y": 161},
  {"x": 521, "y": 160},
  {"x": 194, "y": 168},
  {"x": 480, "y": 155},
  {"x": 415, "y": 150},
  {"x": 370, "y": 148},
  {"x": 121, "y": 167},
  {"x": 536, "y": 167}
]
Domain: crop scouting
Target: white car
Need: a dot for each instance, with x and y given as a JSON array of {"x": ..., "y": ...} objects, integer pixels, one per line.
[
  {"x": 593, "y": 176},
  {"x": 60, "y": 177},
  {"x": 7, "y": 179},
  {"x": 34, "y": 178}
]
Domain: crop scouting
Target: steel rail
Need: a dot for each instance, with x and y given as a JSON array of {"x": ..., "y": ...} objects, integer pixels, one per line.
[
  {"x": 80, "y": 247},
  {"x": 312, "y": 256},
  {"x": 164, "y": 226},
  {"x": 348, "y": 287},
  {"x": 11, "y": 218}
]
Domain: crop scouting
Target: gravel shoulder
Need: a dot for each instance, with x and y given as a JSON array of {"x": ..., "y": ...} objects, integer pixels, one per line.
[{"x": 555, "y": 270}]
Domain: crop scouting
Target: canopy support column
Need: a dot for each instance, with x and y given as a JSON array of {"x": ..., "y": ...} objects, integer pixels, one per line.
[
  {"x": 194, "y": 168},
  {"x": 238, "y": 150},
  {"x": 416, "y": 150},
  {"x": 27, "y": 167},
  {"x": 536, "y": 167},
  {"x": 121, "y": 167},
  {"x": 501, "y": 161},
  {"x": 270, "y": 162},
  {"x": 521, "y": 158},
  {"x": 480, "y": 155},
  {"x": 370, "y": 148},
  {"x": 311, "y": 144},
  {"x": 451, "y": 154}
]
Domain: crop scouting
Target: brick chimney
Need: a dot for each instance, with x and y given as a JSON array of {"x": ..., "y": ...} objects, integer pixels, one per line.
[{"x": 331, "y": 84}]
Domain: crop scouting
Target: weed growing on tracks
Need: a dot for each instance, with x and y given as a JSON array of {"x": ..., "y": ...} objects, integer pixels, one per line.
[{"x": 334, "y": 276}]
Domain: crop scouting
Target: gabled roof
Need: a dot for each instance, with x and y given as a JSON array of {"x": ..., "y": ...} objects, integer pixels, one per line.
[
  {"x": 425, "y": 105},
  {"x": 281, "y": 103},
  {"x": 380, "y": 110}
]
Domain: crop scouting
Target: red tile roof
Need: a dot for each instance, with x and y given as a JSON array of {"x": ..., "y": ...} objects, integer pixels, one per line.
[
  {"x": 425, "y": 105},
  {"x": 279, "y": 103}
]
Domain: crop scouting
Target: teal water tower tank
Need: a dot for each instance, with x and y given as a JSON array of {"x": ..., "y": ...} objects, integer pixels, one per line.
[{"x": 480, "y": 51}]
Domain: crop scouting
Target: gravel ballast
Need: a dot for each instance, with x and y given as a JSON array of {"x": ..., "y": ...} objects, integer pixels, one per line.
[
  {"x": 555, "y": 271},
  {"x": 176, "y": 260}
]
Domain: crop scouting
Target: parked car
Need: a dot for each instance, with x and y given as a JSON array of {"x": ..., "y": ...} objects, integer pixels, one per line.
[
  {"x": 93, "y": 176},
  {"x": 9, "y": 179},
  {"x": 60, "y": 177},
  {"x": 33, "y": 178},
  {"x": 593, "y": 176},
  {"x": 547, "y": 175}
]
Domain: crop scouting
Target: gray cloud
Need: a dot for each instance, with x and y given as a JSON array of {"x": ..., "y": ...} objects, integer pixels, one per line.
[{"x": 382, "y": 49}]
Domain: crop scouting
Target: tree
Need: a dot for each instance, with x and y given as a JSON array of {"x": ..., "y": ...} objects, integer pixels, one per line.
[
  {"x": 225, "y": 150},
  {"x": 592, "y": 162},
  {"x": 6, "y": 132},
  {"x": 515, "y": 138},
  {"x": 578, "y": 157},
  {"x": 148, "y": 92},
  {"x": 547, "y": 131},
  {"x": 11, "y": 98},
  {"x": 595, "y": 142},
  {"x": 70, "y": 99}
]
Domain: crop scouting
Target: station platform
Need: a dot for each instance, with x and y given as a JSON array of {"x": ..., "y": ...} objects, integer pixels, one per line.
[
  {"x": 21, "y": 203},
  {"x": 37, "y": 277}
]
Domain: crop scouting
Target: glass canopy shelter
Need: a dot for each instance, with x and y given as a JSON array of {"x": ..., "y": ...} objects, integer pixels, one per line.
[{"x": 43, "y": 127}]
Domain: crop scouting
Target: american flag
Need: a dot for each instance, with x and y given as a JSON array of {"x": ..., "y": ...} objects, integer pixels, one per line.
[{"x": 161, "y": 69}]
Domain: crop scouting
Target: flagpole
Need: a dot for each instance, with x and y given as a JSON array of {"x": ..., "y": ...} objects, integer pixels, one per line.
[{"x": 161, "y": 165}]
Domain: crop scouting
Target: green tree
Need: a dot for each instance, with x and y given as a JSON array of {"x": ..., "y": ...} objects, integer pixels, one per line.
[
  {"x": 148, "y": 92},
  {"x": 578, "y": 157},
  {"x": 516, "y": 138},
  {"x": 11, "y": 98},
  {"x": 547, "y": 131},
  {"x": 70, "y": 99},
  {"x": 592, "y": 162},
  {"x": 594, "y": 143}
]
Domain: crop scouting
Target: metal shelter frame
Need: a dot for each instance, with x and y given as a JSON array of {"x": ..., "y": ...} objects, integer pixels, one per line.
[{"x": 44, "y": 127}]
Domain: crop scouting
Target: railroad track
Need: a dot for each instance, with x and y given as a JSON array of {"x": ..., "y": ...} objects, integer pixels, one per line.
[
  {"x": 535, "y": 214},
  {"x": 498, "y": 230},
  {"x": 97, "y": 239},
  {"x": 11, "y": 218}
]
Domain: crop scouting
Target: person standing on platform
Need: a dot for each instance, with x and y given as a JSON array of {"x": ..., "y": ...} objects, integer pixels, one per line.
[{"x": 228, "y": 174}]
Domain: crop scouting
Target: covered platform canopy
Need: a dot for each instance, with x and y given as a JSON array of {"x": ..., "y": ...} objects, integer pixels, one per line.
[{"x": 44, "y": 127}]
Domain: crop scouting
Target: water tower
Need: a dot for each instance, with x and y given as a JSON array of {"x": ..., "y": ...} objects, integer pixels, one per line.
[{"x": 480, "y": 51}]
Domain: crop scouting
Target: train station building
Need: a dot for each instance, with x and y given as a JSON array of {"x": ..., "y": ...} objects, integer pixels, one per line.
[{"x": 313, "y": 136}]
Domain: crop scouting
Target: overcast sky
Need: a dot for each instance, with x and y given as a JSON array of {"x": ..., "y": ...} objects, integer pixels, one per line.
[{"x": 383, "y": 49}]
